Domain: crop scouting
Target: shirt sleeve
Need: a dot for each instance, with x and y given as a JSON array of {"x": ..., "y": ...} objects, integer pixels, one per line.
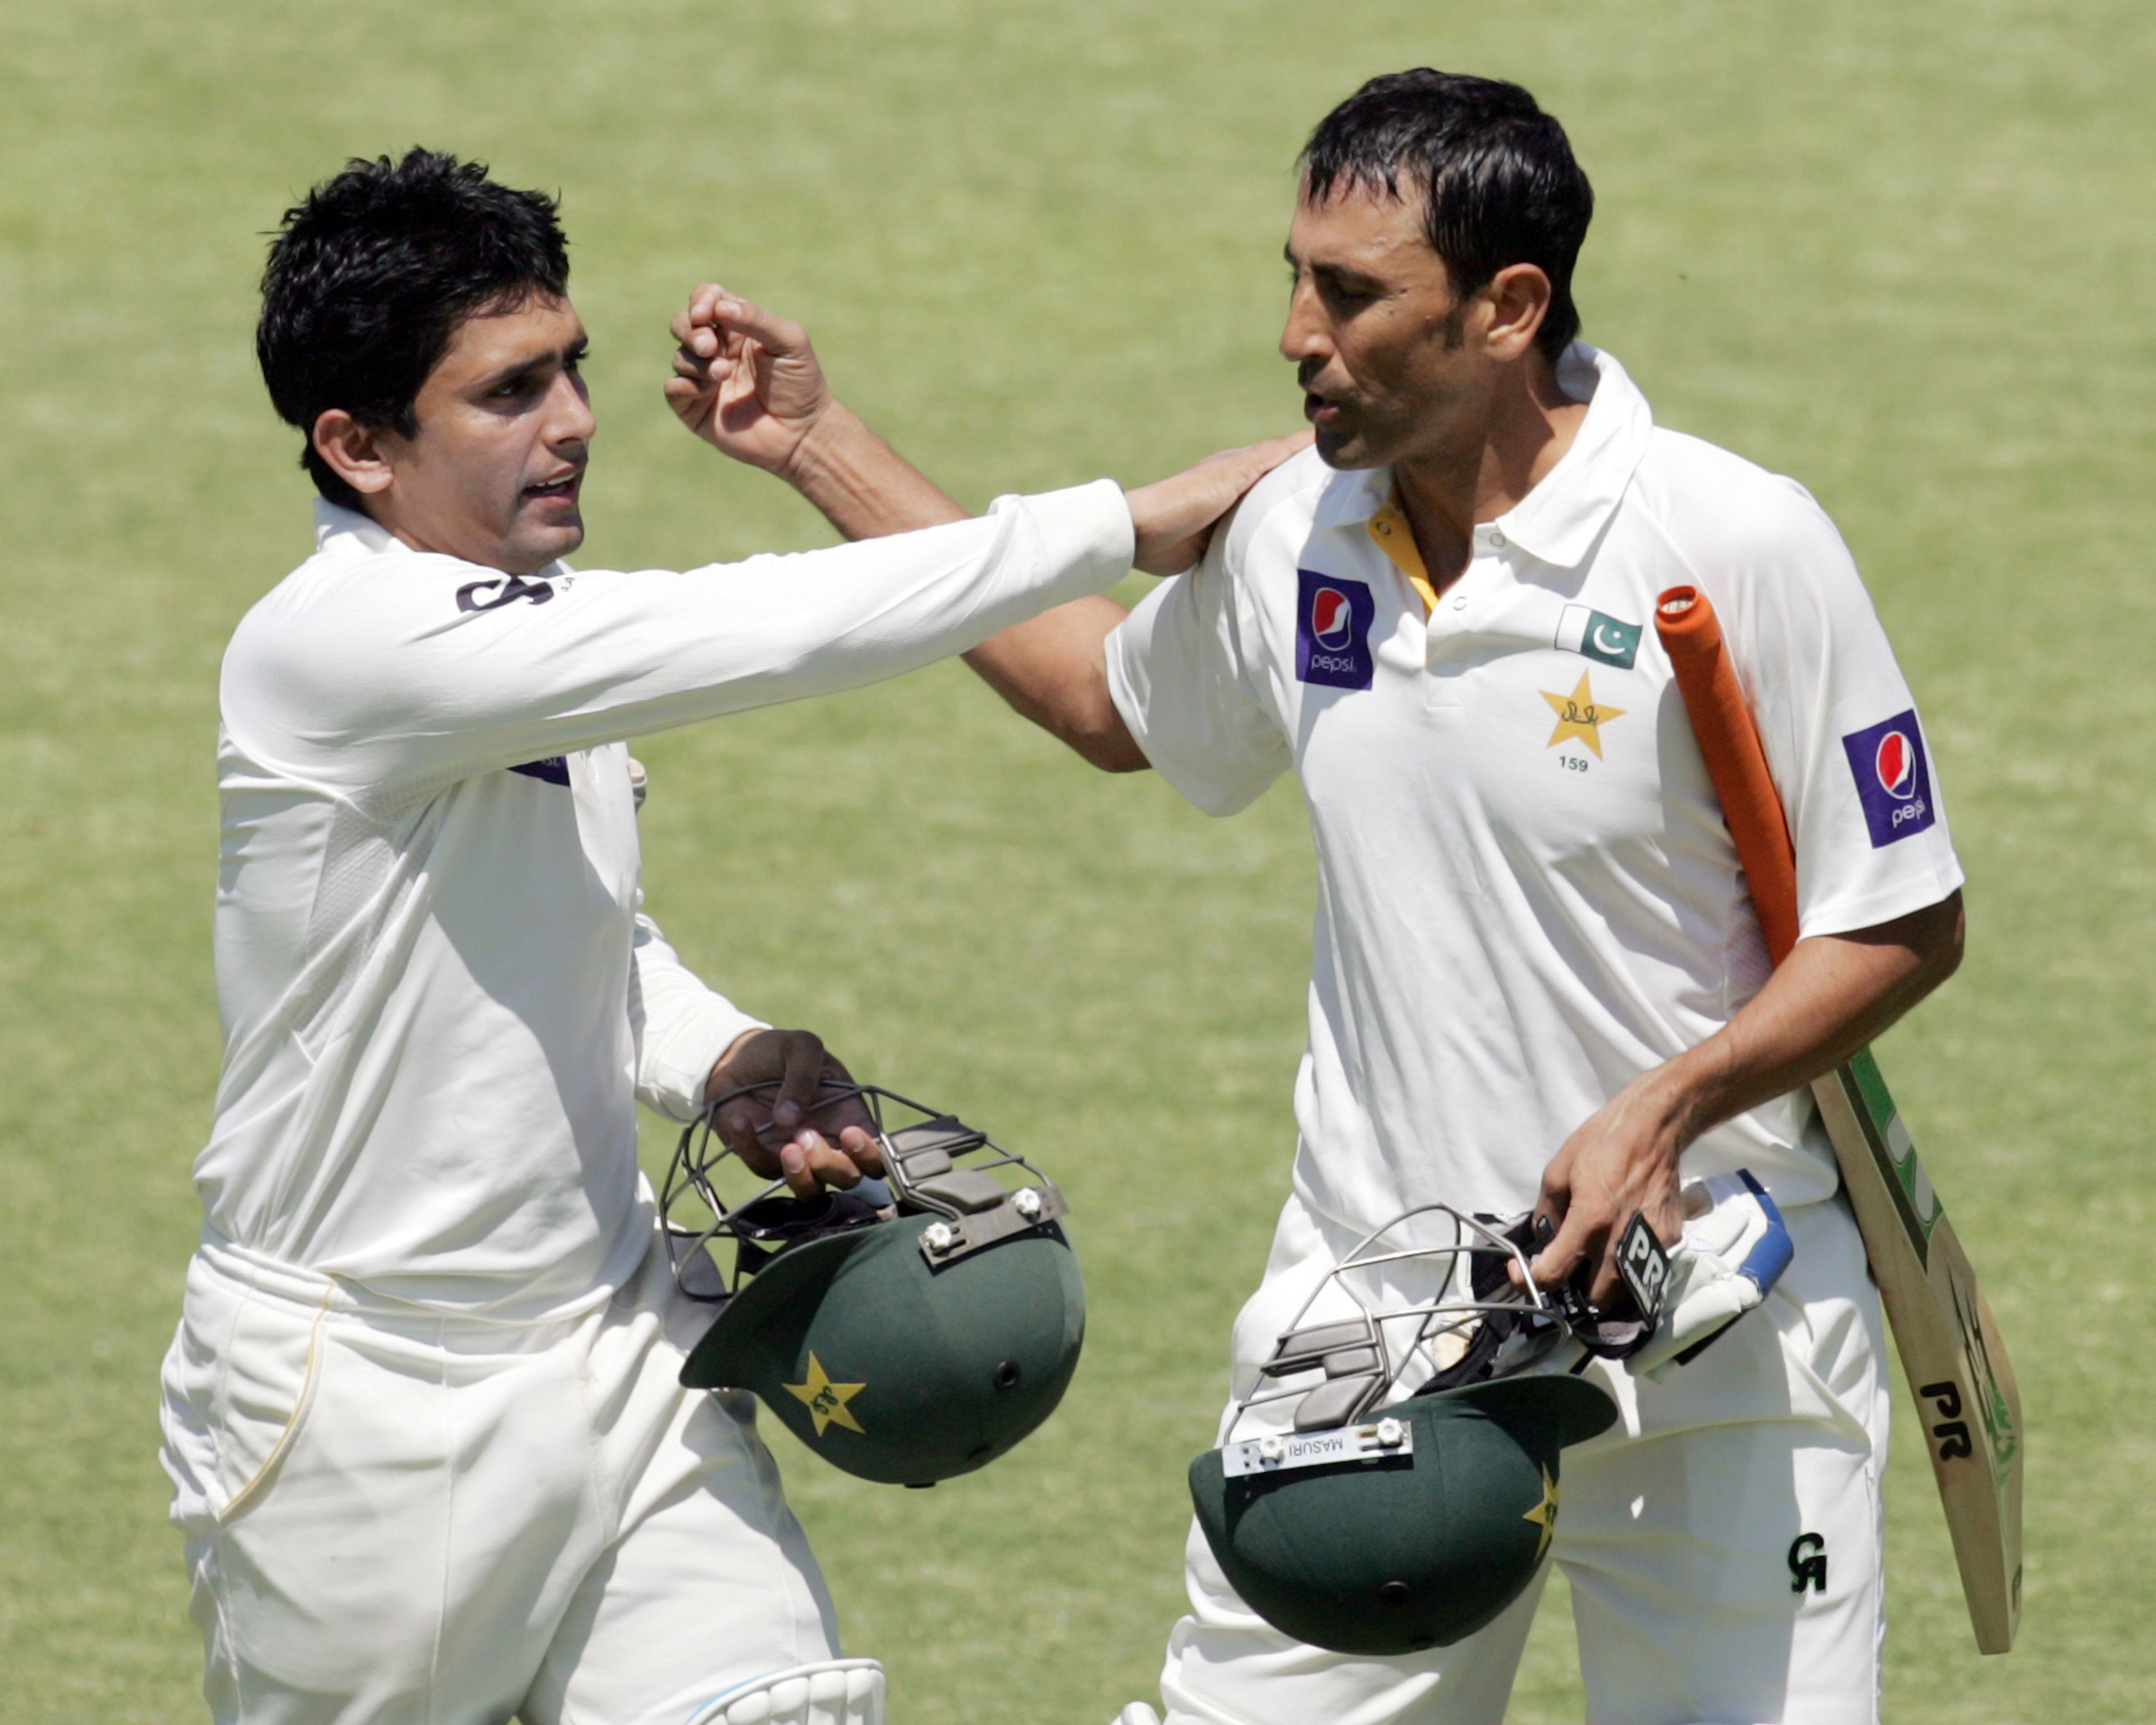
[
  {"x": 1837, "y": 722},
  {"x": 681, "y": 1026},
  {"x": 386, "y": 678},
  {"x": 1183, "y": 673}
]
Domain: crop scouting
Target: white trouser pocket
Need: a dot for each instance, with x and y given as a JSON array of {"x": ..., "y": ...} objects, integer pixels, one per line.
[{"x": 238, "y": 1379}]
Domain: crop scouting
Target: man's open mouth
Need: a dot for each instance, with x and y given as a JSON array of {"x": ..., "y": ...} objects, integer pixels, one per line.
[{"x": 565, "y": 487}]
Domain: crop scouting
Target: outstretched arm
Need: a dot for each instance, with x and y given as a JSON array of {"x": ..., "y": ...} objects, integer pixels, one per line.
[{"x": 748, "y": 383}]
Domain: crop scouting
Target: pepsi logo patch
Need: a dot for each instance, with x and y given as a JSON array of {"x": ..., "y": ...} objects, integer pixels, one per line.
[
  {"x": 1893, "y": 778},
  {"x": 1333, "y": 631}
]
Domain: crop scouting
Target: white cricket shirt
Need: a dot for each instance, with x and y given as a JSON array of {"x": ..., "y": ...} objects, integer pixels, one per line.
[
  {"x": 439, "y": 994},
  {"x": 1526, "y": 894}
]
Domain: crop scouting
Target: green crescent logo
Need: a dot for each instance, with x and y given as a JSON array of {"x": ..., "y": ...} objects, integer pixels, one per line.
[{"x": 1611, "y": 641}]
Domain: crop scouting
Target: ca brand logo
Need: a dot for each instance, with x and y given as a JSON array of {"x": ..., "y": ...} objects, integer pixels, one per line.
[
  {"x": 480, "y": 595},
  {"x": 1808, "y": 1563}
]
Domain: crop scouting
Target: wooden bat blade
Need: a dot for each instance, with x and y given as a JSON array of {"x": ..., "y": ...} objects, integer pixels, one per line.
[
  {"x": 1956, "y": 1364},
  {"x": 1950, "y": 1348}
]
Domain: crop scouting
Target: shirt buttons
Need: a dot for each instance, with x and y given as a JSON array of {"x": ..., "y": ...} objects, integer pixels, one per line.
[
  {"x": 1494, "y": 539},
  {"x": 1459, "y": 601}
]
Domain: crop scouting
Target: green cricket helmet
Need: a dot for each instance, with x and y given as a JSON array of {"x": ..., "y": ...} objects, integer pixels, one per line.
[
  {"x": 908, "y": 1331},
  {"x": 1398, "y": 1482}
]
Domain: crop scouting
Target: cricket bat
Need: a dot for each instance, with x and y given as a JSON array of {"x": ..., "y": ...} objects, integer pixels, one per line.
[{"x": 1951, "y": 1349}]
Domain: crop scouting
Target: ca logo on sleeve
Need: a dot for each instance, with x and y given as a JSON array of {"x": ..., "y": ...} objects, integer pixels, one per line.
[
  {"x": 1893, "y": 780},
  {"x": 1332, "y": 619},
  {"x": 497, "y": 591}
]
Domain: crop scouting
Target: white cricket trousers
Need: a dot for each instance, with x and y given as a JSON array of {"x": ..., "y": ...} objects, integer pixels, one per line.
[
  {"x": 401, "y": 1518},
  {"x": 1721, "y": 1541}
]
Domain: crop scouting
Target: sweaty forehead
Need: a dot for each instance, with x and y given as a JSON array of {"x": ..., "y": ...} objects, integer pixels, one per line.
[{"x": 1359, "y": 224}]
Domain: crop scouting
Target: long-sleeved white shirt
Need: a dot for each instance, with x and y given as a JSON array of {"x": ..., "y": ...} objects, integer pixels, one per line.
[{"x": 438, "y": 992}]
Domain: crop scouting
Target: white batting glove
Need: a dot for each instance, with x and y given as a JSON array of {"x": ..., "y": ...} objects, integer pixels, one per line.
[{"x": 1734, "y": 1250}]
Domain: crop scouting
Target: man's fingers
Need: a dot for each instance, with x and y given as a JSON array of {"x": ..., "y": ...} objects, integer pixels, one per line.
[
  {"x": 779, "y": 336},
  {"x": 802, "y": 1078},
  {"x": 1576, "y": 1237},
  {"x": 1256, "y": 460},
  {"x": 859, "y": 1144},
  {"x": 696, "y": 315},
  {"x": 737, "y": 1125},
  {"x": 1172, "y": 517},
  {"x": 794, "y": 1169},
  {"x": 807, "y": 1162}
]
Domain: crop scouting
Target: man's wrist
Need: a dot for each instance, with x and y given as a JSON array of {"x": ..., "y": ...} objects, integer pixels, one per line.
[
  {"x": 1656, "y": 1113},
  {"x": 1686, "y": 1097},
  {"x": 864, "y": 487},
  {"x": 732, "y": 1051},
  {"x": 816, "y": 465}
]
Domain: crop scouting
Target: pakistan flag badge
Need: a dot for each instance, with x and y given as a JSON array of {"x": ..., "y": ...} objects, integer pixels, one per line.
[{"x": 1598, "y": 636}]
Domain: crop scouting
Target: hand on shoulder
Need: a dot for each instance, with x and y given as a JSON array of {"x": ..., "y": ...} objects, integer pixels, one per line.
[{"x": 1175, "y": 517}]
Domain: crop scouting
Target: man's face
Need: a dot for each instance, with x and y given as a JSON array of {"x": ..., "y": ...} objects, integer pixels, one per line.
[
  {"x": 493, "y": 473},
  {"x": 1382, "y": 347}
]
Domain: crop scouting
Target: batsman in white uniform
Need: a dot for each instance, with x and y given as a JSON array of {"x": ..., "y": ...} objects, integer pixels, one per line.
[
  {"x": 1538, "y": 979},
  {"x": 430, "y": 1452}
]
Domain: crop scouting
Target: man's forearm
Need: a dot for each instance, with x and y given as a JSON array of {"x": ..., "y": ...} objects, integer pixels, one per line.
[
  {"x": 1832, "y": 995},
  {"x": 865, "y": 488},
  {"x": 1052, "y": 668},
  {"x": 1054, "y": 671}
]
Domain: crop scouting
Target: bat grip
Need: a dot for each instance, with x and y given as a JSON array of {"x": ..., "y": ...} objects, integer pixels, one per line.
[{"x": 1691, "y": 634}]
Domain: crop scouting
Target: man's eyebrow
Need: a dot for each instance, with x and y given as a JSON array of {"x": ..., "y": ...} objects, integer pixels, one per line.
[
  {"x": 509, "y": 373},
  {"x": 1344, "y": 275}
]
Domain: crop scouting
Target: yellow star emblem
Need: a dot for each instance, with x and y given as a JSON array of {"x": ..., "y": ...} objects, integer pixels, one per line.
[
  {"x": 827, "y": 1401},
  {"x": 1578, "y": 716},
  {"x": 1544, "y": 1513}
]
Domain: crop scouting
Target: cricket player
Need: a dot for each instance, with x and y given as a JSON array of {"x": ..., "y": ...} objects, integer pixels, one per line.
[
  {"x": 422, "y": 1418},
  {"x": 1538, "y": 978}
]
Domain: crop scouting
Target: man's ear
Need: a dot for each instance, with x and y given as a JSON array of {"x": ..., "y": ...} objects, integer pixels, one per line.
[
  {"x": 1519, "y": 297},
  {"x": 353, "y": 452}
]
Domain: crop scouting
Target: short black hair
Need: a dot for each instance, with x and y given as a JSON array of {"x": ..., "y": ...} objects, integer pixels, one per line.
[
  {"x": 1496, "y": 174},
  {"x": 369, "y": 277}
]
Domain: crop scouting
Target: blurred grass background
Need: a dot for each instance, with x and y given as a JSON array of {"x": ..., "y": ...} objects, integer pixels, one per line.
[{"x": 1900, "y": 250}]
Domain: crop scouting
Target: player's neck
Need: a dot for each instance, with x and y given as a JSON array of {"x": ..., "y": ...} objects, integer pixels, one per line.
[{"x": 1446, "y": 493}]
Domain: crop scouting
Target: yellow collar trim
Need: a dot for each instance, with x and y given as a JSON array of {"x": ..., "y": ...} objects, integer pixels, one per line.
[{"x": 1389, "y": 528}]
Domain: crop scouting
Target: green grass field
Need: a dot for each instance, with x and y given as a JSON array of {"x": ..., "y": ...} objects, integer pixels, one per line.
[{"x": 1900, "y": 250}]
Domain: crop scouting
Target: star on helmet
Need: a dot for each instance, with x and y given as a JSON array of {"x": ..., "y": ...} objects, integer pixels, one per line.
[
  {"x": 953, "y": 1288},
  {"x": 1543, "y": 1514},
  {"x": 826, "y": 1401}
]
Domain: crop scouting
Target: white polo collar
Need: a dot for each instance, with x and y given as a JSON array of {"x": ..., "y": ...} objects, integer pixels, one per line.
[
  {"x": 346, "y": 533},
  {"x": 1559, "y": 521},
  {"x": 340, "y": 532}
]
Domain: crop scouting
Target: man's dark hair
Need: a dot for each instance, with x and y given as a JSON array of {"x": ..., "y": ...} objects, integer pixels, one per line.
[
  {"x": 369, "y": 278},
  {"x": 1496, "y": 174}
]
